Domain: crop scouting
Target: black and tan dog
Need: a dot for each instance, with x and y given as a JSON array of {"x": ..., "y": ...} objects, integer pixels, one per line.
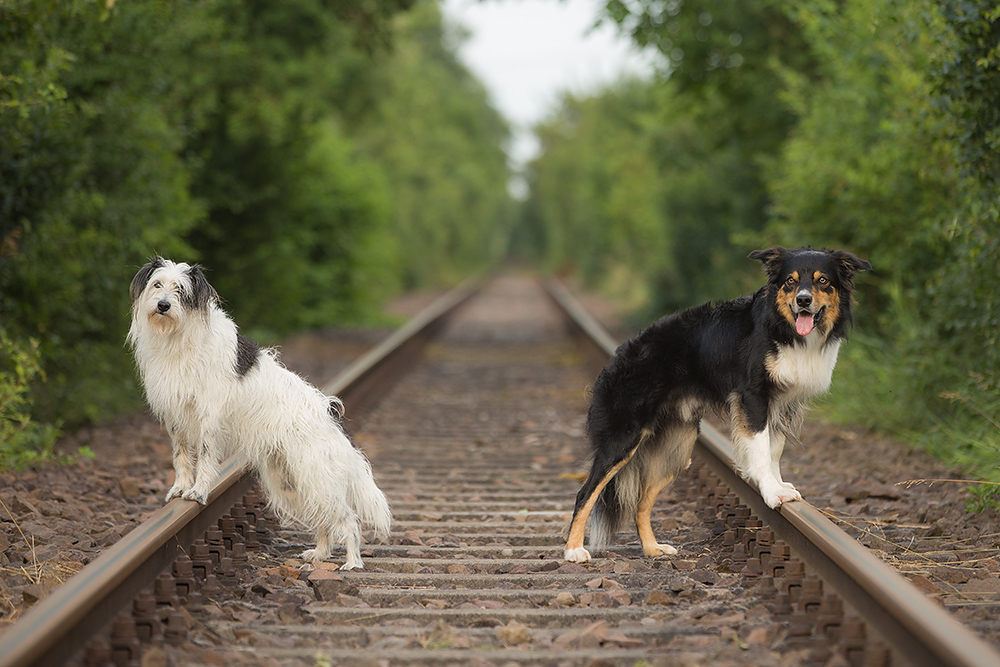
[{"x": 761, "y": 356}]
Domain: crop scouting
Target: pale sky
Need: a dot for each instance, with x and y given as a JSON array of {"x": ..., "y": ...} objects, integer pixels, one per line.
[{"x": 528, "y": 52}]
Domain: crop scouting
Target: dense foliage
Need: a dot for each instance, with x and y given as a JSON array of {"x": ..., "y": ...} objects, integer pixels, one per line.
[
  {"x": 704, "y": 133},
  {"x": 293, "y": 148},
  {"x": 316, "y": 155},
  {"x": 873, "y": 126},
  {"x": 22, "y": 440},
  {"x": 449, "y": 179}
]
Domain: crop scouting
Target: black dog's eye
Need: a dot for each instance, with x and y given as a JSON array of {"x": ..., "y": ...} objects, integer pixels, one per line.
[
  {"x": 790, "y": 281},
  {"x": 823, "y": 280}
]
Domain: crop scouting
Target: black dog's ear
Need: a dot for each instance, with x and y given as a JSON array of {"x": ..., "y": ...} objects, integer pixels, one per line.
[
  {"x": 852, "y": 262},
  {"x": 772, "y": 258},
  {"x": 142, "y": 277},
  {"x": 849, "y": 264},
  {"x": 202, "y": 293}
]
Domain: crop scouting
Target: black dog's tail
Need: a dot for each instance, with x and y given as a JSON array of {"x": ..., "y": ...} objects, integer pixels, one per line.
[
  {"x": 625, "y": 407},
  {"x": 621, "y": 408},
  {"x": 609, "y": 516},
  {"x": 617, "y": 506},
  {"x": 617, "y": 463}
]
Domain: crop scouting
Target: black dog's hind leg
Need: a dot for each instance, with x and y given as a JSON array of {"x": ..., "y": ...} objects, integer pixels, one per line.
[
  {"x": 650, "y": 546},
  {"x": 601, "y": 472},
  {"x": 663, "y": 459}
]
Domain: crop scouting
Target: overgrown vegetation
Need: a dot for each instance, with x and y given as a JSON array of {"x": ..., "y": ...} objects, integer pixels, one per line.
[
  {"x": 315, "y": 156},
  {"x": 318, "y": 155},
  {"x": 873, "y": 126},
  {"x": 22, "y": 441}
]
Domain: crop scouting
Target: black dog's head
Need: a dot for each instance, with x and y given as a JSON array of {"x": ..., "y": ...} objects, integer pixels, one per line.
[{"x": 811, "y": 288}]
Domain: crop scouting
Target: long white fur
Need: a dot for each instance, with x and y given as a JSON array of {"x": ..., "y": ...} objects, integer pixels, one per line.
[{"x": 270, "y": 417}]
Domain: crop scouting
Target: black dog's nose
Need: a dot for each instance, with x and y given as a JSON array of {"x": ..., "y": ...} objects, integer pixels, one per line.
[
  {"x": 803, "y": 300},
  {"x": 163, "y": 306}
]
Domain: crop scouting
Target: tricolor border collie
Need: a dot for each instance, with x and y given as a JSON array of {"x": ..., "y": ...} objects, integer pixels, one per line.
[
  {"x": 761, "y": 356},
  {"x": 218, "y": 394}
]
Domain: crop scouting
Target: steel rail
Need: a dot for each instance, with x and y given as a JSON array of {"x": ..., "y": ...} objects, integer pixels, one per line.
[
  {"x": 914, "y": 625},
  {"x": 56, "y": 628},
  {"x": 358, "y": 384},
  {"x": 52, "y": 631}
]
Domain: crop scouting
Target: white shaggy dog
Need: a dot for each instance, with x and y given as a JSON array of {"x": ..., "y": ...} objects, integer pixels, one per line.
[{"x": 219, "y": 394}]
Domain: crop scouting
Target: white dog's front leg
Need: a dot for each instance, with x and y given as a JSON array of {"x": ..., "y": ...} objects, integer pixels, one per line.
[
  {"x": 759, "y": 464},
  {"x": 184, "y": 464},
  {"x": 207, "y": 469}
]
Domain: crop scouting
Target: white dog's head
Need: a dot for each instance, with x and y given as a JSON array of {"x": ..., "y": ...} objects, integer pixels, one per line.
[{"x": 164, "y": 293}]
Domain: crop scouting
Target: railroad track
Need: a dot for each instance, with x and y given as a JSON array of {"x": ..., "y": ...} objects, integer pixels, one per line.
[{"x": 479, "y": 447}]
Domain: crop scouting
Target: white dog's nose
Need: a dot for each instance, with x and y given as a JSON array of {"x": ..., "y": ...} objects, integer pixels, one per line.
[{"x": 163, "y": 306}]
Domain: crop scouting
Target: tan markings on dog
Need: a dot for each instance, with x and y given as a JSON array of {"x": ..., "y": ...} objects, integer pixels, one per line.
[
  {"x": 826, "y": 296},
  {"x": 737, "y": 416},
  {"x": 741, "y": 431},
  {"x": 785, "y": 297},
  {"x": 770, "y": 365},
  {"x": 689, "y": 410},
  {"x": 650, "y": 547},
  {"x": 579, "y": 526}
]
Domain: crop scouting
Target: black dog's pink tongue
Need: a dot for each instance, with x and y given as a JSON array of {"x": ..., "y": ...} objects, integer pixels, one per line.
[{"x": 804, "y": 323}]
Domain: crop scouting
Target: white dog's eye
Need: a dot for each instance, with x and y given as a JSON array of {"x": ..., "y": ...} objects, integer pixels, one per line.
[{"x": 157, "y": 284}]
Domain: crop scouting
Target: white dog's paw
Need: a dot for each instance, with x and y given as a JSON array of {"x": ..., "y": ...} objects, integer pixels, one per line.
[
  {"x": 176, "y": 491},
  {"x": 196, "y": 494},
  {"x": 353, "y": 565},
  {"x": 777, "y": 494},
  {"x": 313, "y": 556},
  {"x": 578, "y": 555},
  {"x": 659, "y": 550},
  {"x": 791, "y": 489}
]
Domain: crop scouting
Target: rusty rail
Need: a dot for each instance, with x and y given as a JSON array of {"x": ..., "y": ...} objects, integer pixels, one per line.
[
  {"x": 916, "y": 627},
  {"x": 56, "y": 628}
]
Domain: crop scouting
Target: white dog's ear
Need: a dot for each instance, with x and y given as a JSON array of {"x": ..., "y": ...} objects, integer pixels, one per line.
[
  {"x": 141, "y": 279},
  {"x": 202, "y": 293}
]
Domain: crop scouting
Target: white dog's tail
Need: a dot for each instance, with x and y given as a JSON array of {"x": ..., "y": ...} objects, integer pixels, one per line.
[{"x": 370, "y": 503}]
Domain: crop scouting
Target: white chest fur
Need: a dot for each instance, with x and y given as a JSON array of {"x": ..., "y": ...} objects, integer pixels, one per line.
[{"x": 803, "y": 370}]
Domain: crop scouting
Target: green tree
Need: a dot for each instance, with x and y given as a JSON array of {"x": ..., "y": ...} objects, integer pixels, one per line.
[
  {"x": 293, "y": 209},
  {"x": 237, "y": 134},
  {"x": 719, "y": 130},
  {"x": 22, "y": 441},
  {"x": 967, "y": 298},
  {"x": 894, "y": 156},
  {"x": 703, "y": 136},
  {"x": 596, "y": 202},
  {"x": 873, "y": 126},
  {"x": 869, "y": 166},
  {"x": 966, "y": 292},
  {"x": 89, "y": 178},
  {"x": 440, "y": 143}
]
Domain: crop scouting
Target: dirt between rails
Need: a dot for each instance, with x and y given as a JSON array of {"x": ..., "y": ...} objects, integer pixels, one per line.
[{"x": 55, "y": 519}]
